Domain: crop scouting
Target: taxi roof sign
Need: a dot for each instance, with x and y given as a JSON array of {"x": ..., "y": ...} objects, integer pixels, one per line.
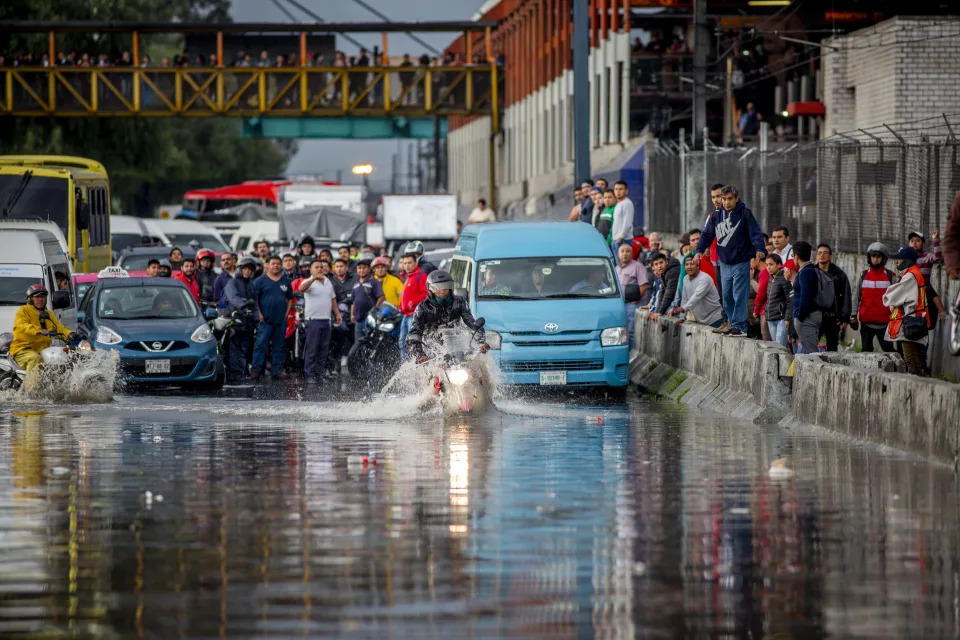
[{"x": 113, "y": 272}]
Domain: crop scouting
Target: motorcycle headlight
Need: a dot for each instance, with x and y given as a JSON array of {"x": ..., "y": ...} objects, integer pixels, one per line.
[
  {"x": 84, "y": 346},
  {"x": 614, "y": 336},
  {"x": 387, "y": 327},
  {"x": 458, "y": 376},
  {"x": 371, "y": 321},
  {"x": 493, "y": 339},
  {"x": 202, "y": 334},
  {"x": 105, "y": 335}
]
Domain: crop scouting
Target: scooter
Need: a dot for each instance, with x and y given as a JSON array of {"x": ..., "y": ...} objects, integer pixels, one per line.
[
  {"x": 460, "y": 380},
  {"x": 376, "y": 354},
  {"x": 59, "y": 360}
]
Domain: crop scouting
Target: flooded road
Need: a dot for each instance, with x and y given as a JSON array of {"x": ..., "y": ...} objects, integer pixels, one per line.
[{"x": 167, "y": 517}]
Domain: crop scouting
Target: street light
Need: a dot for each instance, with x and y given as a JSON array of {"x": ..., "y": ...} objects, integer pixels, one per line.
[{"x": 362, "y": 169}]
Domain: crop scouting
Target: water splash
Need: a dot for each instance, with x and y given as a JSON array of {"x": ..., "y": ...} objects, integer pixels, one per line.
[{"x": 90, "y": 380}]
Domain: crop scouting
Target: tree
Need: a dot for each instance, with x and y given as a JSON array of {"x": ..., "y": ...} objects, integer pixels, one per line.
[{"x": 150, "y": 161}]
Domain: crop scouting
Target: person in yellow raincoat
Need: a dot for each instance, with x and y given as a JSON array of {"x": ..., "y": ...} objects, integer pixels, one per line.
[{"x": 33, "y": 329}]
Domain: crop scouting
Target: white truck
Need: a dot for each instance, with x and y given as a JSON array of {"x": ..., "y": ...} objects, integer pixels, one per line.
[
  {"x": 303, "y": 196},
  {"x": 429, "y": 218}
]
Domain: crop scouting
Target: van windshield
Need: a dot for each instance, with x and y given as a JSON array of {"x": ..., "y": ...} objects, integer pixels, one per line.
[{"x": 541, "y": 278}]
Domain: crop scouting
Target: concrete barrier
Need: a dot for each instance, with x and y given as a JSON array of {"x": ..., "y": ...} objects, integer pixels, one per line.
[{"x": 862, "y": 395}]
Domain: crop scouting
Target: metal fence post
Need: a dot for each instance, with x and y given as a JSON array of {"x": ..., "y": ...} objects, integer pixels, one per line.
[
  {"x": 858, "y": 202},
  {"x": 683, "y": 175},
  {"x": 816, "y": 223}
]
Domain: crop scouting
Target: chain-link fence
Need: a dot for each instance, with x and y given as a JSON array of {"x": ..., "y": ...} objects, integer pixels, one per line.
[{"x": 847, "y": 190}]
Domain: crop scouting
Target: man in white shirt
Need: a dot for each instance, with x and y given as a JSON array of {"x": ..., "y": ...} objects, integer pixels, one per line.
[
  {"x": 481, "y": 214},
  {"x": 781, "y": 243},
  {"x": 319, "y": 307},
  {"x": 699, "y": 296},
  {"x": 622, "y": 231}
]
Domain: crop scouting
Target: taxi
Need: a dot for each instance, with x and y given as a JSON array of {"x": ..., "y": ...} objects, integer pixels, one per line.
[{"x": 156, "y": 326}]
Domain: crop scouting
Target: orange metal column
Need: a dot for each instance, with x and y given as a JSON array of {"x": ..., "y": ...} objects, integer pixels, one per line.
[
  {"x": 626, "y": 16},
  {"x": 604, "y": 23},
  {"x": 594, "y": 32}
]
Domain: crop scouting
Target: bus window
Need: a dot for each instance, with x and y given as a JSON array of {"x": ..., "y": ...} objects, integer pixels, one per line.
[{"x": 42, "y": 197}]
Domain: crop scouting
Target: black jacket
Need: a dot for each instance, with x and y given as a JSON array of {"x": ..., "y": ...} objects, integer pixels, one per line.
[
  {"x": 841, "y": 289},
  {"x": 669, "y": 282},
  {"x": 206, "y": 279},
  {"x": 426, "y": 266},
  {"x": 778, "y": 299},
  {"x": 429, "y": 317}
]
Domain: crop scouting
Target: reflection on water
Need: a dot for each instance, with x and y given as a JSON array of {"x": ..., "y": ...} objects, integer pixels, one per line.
[{"x": 656, "y": 522}]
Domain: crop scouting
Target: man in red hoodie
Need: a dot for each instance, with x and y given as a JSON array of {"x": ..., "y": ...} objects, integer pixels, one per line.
[
  {"x": 188, "y": 276},
  {"x": 414, "y": 292}
]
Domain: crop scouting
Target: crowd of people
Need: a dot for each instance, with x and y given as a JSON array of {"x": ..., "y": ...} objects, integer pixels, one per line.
[
  {"x": 305, "y": 301},
  {"x": 732, "y": 276}
]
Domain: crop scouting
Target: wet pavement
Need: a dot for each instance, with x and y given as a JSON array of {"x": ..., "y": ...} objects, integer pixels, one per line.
[{"x": 167, "y": 516}]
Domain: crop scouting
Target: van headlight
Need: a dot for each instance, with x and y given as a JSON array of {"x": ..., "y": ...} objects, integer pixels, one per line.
[
  {"x": 614, "y": 336},
  {"x": 105, "y": 335},
  {"x": 202, "y": 334},
  {"x": 493, "y": 339}
]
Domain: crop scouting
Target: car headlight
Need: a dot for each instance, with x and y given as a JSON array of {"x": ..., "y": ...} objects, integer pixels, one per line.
[
  {"x": 202, "y": 334},
  {"x": 614, "y": 336},
  {"x": 387, "y": 327},
  {"x": 458, "y": 376},
  {"x": 493, "y": 339},
  {"x": 371, "y": 321},
  {"x": 84, "y": 346},
  {"x": 105, "y": 335}
]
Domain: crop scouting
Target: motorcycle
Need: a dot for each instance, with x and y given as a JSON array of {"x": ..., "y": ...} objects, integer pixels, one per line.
[
  {"x": 460, "y": 381},
  {"x": 376, "y": 354},
  {"x": 60, "y": 359}
]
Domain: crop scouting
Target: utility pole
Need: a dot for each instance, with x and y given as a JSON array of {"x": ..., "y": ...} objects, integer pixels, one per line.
[
  {"x": 581, "y": 91},
  {"x": 700, "y": 39},
  {"x": 728, "y": 104}
]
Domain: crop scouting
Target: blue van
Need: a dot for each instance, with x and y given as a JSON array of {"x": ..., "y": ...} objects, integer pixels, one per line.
[{"x": 554, "y": 309}]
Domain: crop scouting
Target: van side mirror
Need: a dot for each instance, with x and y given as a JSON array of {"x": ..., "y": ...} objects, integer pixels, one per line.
[
  {"x": 83, "y": 216},
  {"x": 60, "y": 299},
  {"x": 461, "y": 293}
]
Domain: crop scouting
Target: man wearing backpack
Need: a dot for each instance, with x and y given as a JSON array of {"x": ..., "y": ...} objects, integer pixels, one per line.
[
  {"x": 809, "y": 298},
  {"x": 871, "y": 315},
  {"x": 836, "y": 318}
]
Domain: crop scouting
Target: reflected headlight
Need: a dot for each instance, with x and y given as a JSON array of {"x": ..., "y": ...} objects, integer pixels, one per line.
[
  {"x": 370, "y": 321},
  {"x": 84, "y": 346},
  {"x": 105, "y": 335},
  {"x": 387, "y": 327},
  {"x": 202, "y": 334},
  {"x": 614, "y": 336},
  {"x": 493, "y": 339},
  {"x": 458, "y": 376}
]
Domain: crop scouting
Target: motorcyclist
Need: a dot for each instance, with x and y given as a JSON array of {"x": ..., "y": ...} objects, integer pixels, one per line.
[
  {"x": 439, "y": 308},
  {"x": 416, "y": 248},
  {"x": 304, "y": 265},
  {"x": 392, "y": 285},
  {"x": 206, "y": 277},
  {"x": 239, "y": 296},
  {"x": 33, "y": 329},
  {"x": 306, "y": 249},
  {"x": 165, "y": 269}
]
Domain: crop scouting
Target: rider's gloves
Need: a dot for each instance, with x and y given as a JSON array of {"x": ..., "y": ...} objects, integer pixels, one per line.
[{"x": 73, "y": 336}]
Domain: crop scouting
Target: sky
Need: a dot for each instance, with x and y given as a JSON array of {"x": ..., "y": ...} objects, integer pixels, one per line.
[{"x": 326, "y": 156}]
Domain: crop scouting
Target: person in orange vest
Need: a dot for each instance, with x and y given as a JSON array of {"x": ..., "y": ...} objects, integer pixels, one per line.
[
  {"x": 871, "y": 315},
  {"x": 907, "y": 301}
]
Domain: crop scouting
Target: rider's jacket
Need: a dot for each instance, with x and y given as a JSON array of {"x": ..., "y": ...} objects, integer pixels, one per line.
[
  {"x": 27, "y": 326},
  {"x": 430, "y": 316},
  {"x": 206, "y": 278}
]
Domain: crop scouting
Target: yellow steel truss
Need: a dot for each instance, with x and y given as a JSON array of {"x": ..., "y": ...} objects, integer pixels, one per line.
[{"x": 240, "y": 91}]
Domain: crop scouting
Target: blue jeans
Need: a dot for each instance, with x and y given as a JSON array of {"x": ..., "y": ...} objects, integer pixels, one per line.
[
  {"x": 736, "y": 292},
  {"x": 778, "y": 331},
  {"x": 272, "y": 336},
  {"x": 404, "y": 330},
  {"x": 631, "y": 309}
]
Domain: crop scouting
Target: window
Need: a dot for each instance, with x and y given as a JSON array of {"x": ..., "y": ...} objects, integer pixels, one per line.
[
  {"x": 41, "y": 198},
  {"x": 536, "y": 278},
  {"x": 458, "y": 269},
  {"x": 134, "y": 303},
  {"x": 61, "y": 281}
]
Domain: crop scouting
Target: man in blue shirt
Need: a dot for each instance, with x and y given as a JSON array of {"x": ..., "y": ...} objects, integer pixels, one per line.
[
  {"x": 274, "y": 294},
  {"x": 807, "y": 316}
]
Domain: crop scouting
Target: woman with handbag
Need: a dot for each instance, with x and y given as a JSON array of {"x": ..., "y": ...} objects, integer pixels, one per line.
[{"x": 907, "y": 300}]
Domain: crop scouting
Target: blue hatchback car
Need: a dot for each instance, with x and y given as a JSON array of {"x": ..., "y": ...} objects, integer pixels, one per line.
[
  {"x": 158, "y": 329},
  {"x": 553, "y": 306}
]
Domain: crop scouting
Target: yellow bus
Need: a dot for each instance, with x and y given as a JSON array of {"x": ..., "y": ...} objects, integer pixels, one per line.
[{"x": 73, "y": 192}]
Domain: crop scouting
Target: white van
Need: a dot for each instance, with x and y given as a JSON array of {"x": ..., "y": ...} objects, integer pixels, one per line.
[
  {"x": 130, "y": 231},
  {"x": 250, "y": 232},
  {"x": 180, "y": 233},
  {"x": 34, "y": 256}
]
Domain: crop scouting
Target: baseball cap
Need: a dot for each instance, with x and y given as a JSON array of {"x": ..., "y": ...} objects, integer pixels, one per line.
[
  {"x": 790, "y": 264},
  {"x": 917, "y": 234},
  {"x": 906, "y": 253}
]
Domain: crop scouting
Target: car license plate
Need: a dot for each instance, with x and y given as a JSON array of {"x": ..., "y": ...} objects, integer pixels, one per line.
[
  {"x": 549, "y": 378},
  {"x": 158, "y": 366}
]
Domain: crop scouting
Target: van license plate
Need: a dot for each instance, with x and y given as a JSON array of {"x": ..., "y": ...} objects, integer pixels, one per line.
[
  {"x": 549, "y": 378},
  {"x": 158, "y": 366}
]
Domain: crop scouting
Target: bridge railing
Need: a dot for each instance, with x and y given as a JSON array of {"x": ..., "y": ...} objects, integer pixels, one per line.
[{"x": 242, "y": 91}]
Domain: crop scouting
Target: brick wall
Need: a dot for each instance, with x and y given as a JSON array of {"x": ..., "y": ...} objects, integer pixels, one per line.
[{"x": 899, "y": 70}]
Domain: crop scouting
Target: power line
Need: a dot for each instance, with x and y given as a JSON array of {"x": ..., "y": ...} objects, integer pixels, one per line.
[
  {"x": 284, "y": 10},
  {"x": 383, "y": 17},
  {"x": 319, "y": 19}
]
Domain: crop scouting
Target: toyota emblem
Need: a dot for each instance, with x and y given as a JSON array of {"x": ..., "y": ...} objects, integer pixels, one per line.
[
  {"x": 551, "y": 327},
  {"x": 157, "y": 346}
]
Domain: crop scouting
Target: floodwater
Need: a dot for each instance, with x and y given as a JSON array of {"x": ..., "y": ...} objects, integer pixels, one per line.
[{"x": 166, "y": 517}]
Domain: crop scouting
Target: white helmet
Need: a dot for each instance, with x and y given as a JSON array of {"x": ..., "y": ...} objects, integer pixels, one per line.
[{"x": 413, "y": 247}]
